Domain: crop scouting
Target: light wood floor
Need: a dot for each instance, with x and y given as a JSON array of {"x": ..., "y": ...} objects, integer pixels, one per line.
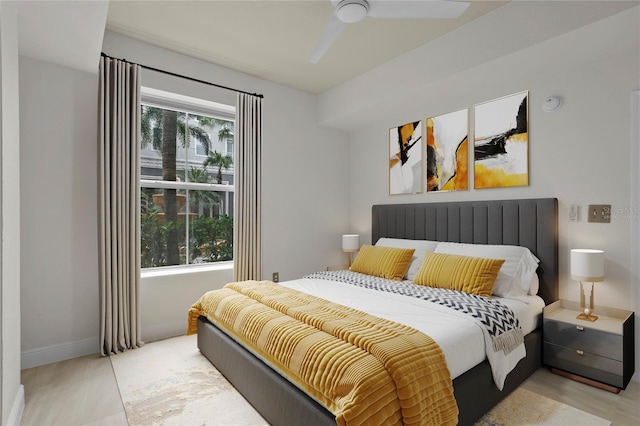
[
  {"x": 80, "y": 391},
  {"x": 622, "y": 409},
  {"x": 83, "y": 391}
]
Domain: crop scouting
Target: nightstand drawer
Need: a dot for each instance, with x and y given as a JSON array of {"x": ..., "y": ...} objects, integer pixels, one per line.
[
  {"x": 584, "y": 364},
  {"x": 584, "y": 338}
]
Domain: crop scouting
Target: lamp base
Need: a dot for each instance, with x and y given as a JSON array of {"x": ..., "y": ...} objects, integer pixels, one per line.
[{"x": 587, "y": 317}]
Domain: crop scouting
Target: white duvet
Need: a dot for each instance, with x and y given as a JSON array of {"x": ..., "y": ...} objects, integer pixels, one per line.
[{"x": 463, "y": 339}]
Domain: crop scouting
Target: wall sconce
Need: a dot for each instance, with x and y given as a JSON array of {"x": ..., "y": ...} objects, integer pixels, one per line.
[
  {"x": 587, "y": 265},
  {"x": 350, "y": 244}
]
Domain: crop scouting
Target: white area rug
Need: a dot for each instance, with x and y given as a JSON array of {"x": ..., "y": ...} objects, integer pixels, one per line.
[
  {"x": 171, "y": 383},
  {"x": 524, "y": 407}
]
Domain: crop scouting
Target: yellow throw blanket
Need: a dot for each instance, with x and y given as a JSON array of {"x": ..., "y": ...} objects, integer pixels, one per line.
[{"x": 364, "y": 369}]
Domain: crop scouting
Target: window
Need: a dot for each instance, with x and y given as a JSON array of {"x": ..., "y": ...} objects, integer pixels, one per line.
[
  {"x": 229, "y": 150},
  {"x": 186, "y": 181},
  {"x": 200, "y": 150}
]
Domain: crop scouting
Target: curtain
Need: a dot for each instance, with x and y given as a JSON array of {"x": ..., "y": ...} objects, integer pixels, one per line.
[
  {"x": 247, "y": 229},
  {"x": 118, "y": 205}
]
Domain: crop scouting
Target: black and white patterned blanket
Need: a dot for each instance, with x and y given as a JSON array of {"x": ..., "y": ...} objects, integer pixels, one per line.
[{"x": 500, "y": 321}]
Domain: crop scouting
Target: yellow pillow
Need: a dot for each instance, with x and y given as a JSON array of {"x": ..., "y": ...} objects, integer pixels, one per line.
[
  {"x": 473, "y": 275},
  {"x": 384, "y": 262}
]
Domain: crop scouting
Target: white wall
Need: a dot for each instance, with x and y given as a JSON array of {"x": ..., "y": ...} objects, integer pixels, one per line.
[
  {"x": 300, "y": 161},
  {"x": 59, "y": 248},
  {"x": 305, "y": 198},
  {"x": 578, "y": 154},
  {"x": 634, "y": 160},
  {"x": 165, "y": 297},
  {"x": 11, "y": 392},
  {"x": 305, "y": 192}
]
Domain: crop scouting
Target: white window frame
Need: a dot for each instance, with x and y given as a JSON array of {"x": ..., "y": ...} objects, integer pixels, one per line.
[{"x": 185, "y": 104}]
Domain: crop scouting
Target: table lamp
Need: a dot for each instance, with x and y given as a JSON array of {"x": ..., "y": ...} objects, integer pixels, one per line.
[
  {"x": 350, "y": 244},
  {"x": 587, "y": 265}
]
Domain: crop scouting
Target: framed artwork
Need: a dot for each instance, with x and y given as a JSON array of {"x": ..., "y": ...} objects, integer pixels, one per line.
[
  {"x": 405, "y": 159},
  {"x": 447, "y": 160},
  {"x": 501, "y": 143}
]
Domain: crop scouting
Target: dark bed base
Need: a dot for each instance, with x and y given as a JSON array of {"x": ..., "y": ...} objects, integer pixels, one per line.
[
  {"x": 282, "y": 403},
  {"x": 531, "y": 223}
]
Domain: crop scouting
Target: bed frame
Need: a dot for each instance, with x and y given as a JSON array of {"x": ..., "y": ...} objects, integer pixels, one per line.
[{"x": 531, "y": 223}]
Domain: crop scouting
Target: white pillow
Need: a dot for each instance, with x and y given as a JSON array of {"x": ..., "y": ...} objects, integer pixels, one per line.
[
  {"x": 421, "y": 248},
  {"x": 534, "y": 287},
  {"x": 514, "y": 278}
]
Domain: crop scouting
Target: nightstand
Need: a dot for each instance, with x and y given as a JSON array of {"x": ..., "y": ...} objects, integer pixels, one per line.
[{"x": 599, "y": 353}]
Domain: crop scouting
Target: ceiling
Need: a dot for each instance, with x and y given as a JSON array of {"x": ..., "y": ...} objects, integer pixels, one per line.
[
  {"x": 273, "y": 39},
  {"x": 68, "y": 33}
]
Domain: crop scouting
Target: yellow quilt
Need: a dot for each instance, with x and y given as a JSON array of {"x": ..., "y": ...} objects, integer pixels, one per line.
[{"x": 364, "y": 369}]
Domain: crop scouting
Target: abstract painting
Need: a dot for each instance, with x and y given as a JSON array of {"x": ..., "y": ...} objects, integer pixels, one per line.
[
  {"x": 448, "y": 152},
  {"x": 501, "y": 144},
  {"x": 405, "y": 159}
]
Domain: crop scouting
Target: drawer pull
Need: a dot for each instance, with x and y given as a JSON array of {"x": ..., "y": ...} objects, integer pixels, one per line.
[
  {"x": 579, "y": 328},
  {"x": 579, "y": 352}
]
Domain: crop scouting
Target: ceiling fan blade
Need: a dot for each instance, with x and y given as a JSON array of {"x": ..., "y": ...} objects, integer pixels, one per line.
[
  {"x": 330, "y": 34},
  {"x": 437, "y": 9}
]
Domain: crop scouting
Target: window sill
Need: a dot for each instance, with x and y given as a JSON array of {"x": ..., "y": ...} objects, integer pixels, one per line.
[{"x": 182, "y": 270}]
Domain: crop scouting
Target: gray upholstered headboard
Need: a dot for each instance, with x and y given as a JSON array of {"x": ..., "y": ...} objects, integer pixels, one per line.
[{"x": 532, "y": 223}]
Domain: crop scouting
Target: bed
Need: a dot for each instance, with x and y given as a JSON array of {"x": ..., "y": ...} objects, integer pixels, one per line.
[{"x": 530, "y": 223}]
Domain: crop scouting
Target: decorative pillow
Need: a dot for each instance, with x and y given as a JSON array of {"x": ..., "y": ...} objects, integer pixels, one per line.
[
  {"x": 421, "y": 248},
  {"x": 473, "y": 275},
  {"x": 384, "y": 262},
  {"x": 514, "y": 278},
  {"x": 534, "y": 287}
]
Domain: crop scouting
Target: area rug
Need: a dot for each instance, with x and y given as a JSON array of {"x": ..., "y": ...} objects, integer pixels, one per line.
[
  {"x": 524, "y": 407},
  {"x": 170, "y": 382}
]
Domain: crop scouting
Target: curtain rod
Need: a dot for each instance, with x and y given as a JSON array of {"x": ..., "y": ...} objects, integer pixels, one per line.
[{"x": 184, "y": 76}]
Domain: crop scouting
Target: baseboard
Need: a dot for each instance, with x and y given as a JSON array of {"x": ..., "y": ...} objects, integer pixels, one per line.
[
  {"x": 17, "y": 409},
  {"x": 69, "y": 350},
  {"x": 59, "y": 352}
]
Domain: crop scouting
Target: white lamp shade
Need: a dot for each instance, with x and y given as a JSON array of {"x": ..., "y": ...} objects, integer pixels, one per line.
[
  {"x": 587, "y": 265},
  {"x": 350, "y": 243}
]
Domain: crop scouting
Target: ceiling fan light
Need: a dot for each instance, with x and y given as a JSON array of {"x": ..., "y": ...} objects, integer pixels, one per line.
[{"x": 352, "y": 11}]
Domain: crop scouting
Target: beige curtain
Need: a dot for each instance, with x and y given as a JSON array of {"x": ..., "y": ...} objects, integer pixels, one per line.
[
  {"x": 247, "y": 229},
  {"x": 118, "y": 205}
]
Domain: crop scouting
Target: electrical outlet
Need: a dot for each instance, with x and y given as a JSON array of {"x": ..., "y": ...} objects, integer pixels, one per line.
[
  {"x": 600, "y": 213},
  {"x": 276, "y": 277}
]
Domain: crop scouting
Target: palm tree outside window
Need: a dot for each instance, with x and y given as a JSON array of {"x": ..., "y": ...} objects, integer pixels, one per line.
[{"x": 186, "y": 214}]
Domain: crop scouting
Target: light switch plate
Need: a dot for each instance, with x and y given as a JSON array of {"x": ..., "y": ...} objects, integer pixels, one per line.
[
  {"x": 599, "y": 213},
  {"x": 574, "y": 212}
]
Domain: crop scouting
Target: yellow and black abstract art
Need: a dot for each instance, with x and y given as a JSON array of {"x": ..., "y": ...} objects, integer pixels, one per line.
[
  {"x": 405, "y": 159},
  {"x": 501, "y": 144},
  {"x": 447, "y": 162}
]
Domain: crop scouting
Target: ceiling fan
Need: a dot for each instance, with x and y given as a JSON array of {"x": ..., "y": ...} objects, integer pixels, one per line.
[{"x": 351, "y": 11}]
